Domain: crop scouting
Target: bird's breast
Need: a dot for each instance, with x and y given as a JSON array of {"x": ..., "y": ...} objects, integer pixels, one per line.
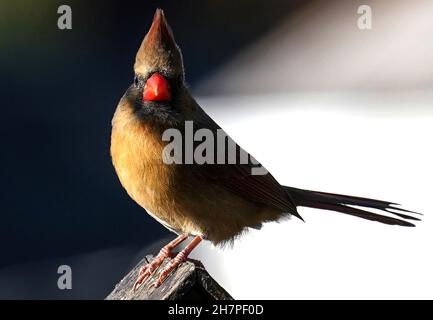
[
  {"x": 136, "y": 151},
  {"x": 182, "y": 197}
]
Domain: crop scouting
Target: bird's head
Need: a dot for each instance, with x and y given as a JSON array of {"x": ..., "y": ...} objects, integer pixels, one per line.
[
  {"x": 159, "y": 94},
  {"x": 159, "y": 73},
  {"x": 158, "y": 54}
]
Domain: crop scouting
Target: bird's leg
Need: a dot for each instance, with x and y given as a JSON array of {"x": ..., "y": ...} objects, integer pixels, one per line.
[
  {"x": 147, "y": 270},
  {"x": 180, "y": 257}
]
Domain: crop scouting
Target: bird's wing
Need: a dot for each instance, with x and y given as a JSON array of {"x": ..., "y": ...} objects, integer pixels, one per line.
[
  {"x": 238, "y": 177},
  {"x": 262, "y": 189}
]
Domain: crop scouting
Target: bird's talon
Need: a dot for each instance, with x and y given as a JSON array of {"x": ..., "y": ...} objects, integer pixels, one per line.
[
  {"x": 148, "y": 269},
  {"x": 136, "y": 285},
  {"x": 142, "y": 270}
]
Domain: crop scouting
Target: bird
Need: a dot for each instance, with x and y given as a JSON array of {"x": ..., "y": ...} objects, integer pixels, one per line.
[{"x": 214, "y": 201}]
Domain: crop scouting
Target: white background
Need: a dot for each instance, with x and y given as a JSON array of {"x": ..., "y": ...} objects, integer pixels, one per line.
[
  {"x": 325, "y": 106},
  {"x": 324, "y": 142}
]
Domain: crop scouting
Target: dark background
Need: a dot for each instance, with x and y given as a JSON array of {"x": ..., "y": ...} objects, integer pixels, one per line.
[{"x": 59, "y": 196}]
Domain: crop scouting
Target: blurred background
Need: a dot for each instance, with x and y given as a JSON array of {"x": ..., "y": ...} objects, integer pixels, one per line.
[{"x": 321, "y": 103}]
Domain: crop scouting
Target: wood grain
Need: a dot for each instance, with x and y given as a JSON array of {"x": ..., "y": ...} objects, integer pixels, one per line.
[{"x": 190, "y": 281}]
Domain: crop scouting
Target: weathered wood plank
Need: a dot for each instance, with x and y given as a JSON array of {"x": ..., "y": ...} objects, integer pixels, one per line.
[{"x": 190, "y": 281}]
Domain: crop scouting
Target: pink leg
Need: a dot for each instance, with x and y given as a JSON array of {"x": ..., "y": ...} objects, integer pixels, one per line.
[
  {"x": 180, "y": 257},
  {"x": 147, "y": 270}
]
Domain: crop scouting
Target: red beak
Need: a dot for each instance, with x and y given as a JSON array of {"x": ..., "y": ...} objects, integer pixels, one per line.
[{"x": 157, "y": 88}]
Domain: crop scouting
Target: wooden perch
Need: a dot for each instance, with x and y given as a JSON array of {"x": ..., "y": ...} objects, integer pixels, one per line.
[{"x": 190, "y": 281}]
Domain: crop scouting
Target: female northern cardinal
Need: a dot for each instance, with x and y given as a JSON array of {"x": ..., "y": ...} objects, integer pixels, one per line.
[{"x": 216, "y": 202}]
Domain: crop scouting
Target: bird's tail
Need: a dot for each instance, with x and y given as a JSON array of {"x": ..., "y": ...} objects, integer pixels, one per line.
[{"x": 345, "y": 204}]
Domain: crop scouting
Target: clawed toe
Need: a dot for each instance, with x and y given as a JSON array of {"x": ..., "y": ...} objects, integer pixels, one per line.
[
  {"x": 173, "y": 264},
  {"x": 165, "y": 252},
  {"x": 147, "y": 270}
]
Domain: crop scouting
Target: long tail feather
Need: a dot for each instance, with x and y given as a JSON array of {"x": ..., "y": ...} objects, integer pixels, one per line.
[{"x": 343, "y": 204}]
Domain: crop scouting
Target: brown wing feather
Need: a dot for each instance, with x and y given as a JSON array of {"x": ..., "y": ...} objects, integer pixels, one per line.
[
  {"x": 237, "y": 178},
  {"x": 262, "y": 189}
]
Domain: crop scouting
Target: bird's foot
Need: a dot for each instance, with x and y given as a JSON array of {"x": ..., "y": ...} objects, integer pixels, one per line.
[
  {"x": 149, "y": 268},
  {"x": 174, "y": 263}
]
